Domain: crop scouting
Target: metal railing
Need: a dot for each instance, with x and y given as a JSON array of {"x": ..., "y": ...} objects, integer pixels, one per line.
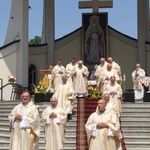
[
  {"x": 1, "y": 84},
  {"x": 16, "y": 90}
]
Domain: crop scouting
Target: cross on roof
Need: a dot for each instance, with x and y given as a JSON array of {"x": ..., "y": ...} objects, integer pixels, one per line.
[{"x": 96, "y": 4}]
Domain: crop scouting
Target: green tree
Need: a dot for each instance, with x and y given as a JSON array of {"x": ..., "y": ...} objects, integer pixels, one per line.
[{"x": 35, "y": 41}]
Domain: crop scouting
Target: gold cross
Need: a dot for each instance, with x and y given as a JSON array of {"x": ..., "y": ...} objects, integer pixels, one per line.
[{"x": 96, "y": 4}]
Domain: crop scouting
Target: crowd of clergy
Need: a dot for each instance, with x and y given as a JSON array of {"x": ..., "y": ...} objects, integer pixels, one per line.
[{"x": 68, "y": 83}]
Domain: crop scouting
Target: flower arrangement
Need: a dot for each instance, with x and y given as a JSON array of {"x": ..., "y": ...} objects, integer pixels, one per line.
[
  {"x": 93, "y": 92},
  {"x": 40, "y": 88}
]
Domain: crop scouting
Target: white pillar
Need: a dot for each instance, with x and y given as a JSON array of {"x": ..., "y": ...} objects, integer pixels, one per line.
[
  {"x": 18, "y": 30},
  {"x": 48, "y": 31}
]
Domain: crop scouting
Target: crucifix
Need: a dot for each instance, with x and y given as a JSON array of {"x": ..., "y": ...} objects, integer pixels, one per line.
[{"x": 96, "y": 4}]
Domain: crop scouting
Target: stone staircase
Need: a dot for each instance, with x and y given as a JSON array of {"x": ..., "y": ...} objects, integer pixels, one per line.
[
  {"x": 7, "y": 106},
  {"x": 135, "y": 122}
]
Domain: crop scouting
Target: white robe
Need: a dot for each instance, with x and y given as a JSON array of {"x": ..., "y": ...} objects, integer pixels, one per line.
[
  {"x": 24, "y": 134},
  {"x": 116, "y": 67},
  {"x": 137, "y": 83},
  {"x": 65, "y": 96},
  {"x": 98, "y": 73},
  {"x": 116, "y": 99},
  {"x": 69, "y": 71},
  {"x": 54, "y": 128},
  {"x": 103, "y": 138},
  {"x": 80, "y": 81},
  {"x": 57, "y": 76},
  {"x": 109, "y": 73}
]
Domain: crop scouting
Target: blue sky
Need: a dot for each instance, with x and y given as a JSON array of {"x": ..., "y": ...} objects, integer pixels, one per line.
[{"x": 68, "y": 17}]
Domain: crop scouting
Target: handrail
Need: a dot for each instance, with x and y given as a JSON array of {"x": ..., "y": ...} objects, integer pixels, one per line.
[
  {"x": 15, "y": 85},
  {"x": 1, "y": 88}
]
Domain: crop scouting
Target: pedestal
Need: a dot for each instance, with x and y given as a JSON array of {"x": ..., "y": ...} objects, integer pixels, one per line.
[
  {"x": 48, "y": 96},
  {"x": 39, "y": 97},
  {"x": 128, "y": 96},
  {"x": 146, "y": 97}
]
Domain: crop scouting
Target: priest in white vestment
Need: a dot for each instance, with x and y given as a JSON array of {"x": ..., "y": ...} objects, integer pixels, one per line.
[
  {"x": 57, "y": 73},
  {"x": 137, "y": 77},
  {"x": 70, "y": 69},
  {"x": 116, "y": 67},
  {"x": 65, "y": 95},
  {"x": 110, "y": 105},
  {"x": 54, "y": 119},
  {"x": 115, "y": 91},
  {"x": 80, "y": 77},
  {"x": 98, "y": 73},
  {"x": 24, "y": 125},
  {"x": 107, "y": 74},
  {"x": 102, "y": 128}
]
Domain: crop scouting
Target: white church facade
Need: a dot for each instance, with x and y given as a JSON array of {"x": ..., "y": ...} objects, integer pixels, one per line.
[{"x": 17, "y": 58}]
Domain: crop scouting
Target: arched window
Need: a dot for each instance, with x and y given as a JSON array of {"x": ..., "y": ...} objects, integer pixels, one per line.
[{"x": 32, "y": 75}]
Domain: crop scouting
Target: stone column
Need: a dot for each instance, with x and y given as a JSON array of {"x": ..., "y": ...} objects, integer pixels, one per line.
[
  {"x": 141, "y": 14},
  {"x": 18, "y": 30},
  {"x": 48, "y": 32}
]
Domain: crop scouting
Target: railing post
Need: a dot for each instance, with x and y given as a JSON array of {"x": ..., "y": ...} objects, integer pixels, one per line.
[{"x": 1, "y": 88}]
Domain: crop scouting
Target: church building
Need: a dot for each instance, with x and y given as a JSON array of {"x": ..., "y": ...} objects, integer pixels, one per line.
[{"x": 23, "y": 61}]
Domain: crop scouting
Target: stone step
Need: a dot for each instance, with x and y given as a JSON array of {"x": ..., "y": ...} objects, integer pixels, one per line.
[
  {"x": 126, "y": 104},
  {"x": 126, "y": 115},
  {"x": 134, "y": 113},
  {"x": 140, "y": 106},
  {"x": 70, "y": 135},
  {"x": 10, "y": 102},
  {"x": 135, "y": 119},
  {"x": 43, "y": 148},
  {"x": 136, "y": 110},
  {"x": 137, "y": 138},
  {"x": 135, "y": 122},
  {"x": 42, "y": 136},
  {"x": 136, "y": 127},
  {"x": 138, "y": 148},
  {"x": 139, "y": 145},
  {"x": 136, "y": 132}
]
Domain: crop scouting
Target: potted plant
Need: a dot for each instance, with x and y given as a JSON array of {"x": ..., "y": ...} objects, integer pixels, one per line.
[{"x": 41, "y": 93}]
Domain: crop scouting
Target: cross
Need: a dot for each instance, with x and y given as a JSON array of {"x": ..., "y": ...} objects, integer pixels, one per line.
[{"x": 96, "y": 4}]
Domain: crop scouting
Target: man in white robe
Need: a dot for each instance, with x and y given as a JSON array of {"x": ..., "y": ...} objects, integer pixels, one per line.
[
  {"x": 116, "y": 67},
  {"x": 65, "y": 95},
  {"x": 24, "y": 125},
  {"x": 80, "y": 76},
  {"x": 102, "y": 128},
  {"x": 115, "y": 91},
  {"x": 54, "y": 119},
  {"x": 70, "y": 69},
  {"x": 98, "y": 73},
  {"x": 137, "y": 77},
  {"x": 107, "y": 74},
  {"x": 110, "y": 105},
  {"x": 57, "y": 73}
]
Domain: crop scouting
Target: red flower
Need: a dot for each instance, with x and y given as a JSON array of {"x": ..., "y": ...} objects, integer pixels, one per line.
[{"x": 11, "y": 79}]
